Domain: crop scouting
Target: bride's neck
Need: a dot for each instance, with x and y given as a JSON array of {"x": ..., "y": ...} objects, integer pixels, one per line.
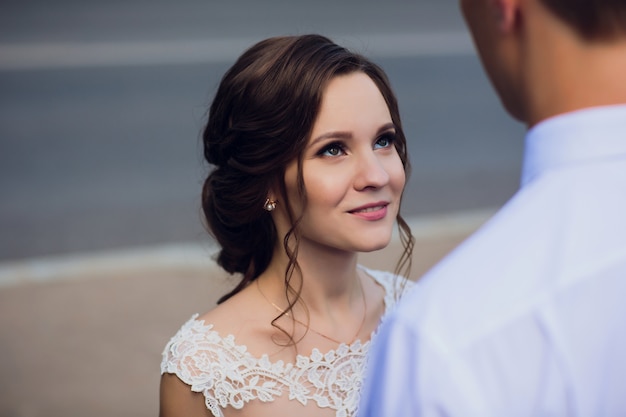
[{"x": 328, "y": 277}]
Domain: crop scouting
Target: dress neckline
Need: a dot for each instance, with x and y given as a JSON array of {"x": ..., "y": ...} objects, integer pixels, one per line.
[{"x": 357, "y": 346}]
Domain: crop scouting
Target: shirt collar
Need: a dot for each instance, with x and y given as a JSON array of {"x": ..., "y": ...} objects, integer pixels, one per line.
[{"x": 571, "y": 138}]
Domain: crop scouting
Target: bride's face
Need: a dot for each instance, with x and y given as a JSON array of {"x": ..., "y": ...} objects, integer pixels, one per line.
[{"x": 352, "y": 172}]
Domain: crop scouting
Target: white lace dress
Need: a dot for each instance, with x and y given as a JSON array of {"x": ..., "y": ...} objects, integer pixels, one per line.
[{"x": 229, "y": 376}]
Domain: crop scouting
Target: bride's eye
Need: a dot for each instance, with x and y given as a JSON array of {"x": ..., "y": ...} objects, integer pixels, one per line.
[
  {"x": 333, "y": 149},
  {"x": 385, "y": 141}
]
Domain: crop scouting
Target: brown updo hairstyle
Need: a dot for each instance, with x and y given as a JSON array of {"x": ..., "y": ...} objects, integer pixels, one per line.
[{"x": 260, "y": 121}]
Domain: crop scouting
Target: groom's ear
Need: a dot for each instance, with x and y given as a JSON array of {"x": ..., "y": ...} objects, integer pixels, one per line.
[{"x": 507, "y": 14}]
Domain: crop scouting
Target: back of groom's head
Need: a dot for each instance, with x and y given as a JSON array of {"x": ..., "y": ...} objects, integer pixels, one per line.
[
  {"x": 591, "y": 19},
  {"x": 548, "y": 57}
]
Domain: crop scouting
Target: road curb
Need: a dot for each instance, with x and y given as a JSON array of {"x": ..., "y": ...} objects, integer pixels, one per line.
[{"x": 194, "y": 255}]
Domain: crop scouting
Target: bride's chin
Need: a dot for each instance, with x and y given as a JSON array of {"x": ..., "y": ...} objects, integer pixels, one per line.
[{"x": 375, "y": 246}]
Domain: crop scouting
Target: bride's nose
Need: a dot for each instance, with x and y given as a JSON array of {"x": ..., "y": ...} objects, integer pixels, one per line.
[{"x": 370, "y": 172}]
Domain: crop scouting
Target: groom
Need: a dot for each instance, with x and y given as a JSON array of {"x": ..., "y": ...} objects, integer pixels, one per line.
[{"x": 528, "y": 316}]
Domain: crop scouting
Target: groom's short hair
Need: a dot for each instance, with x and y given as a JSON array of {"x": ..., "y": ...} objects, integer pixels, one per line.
[{"x": 592, "y": 19}]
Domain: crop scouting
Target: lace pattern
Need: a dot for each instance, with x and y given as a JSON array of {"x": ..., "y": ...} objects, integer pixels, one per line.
[{"x": 228, "y": 375}]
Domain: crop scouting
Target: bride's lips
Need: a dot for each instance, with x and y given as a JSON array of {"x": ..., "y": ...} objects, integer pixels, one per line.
[{"x": 373, "y": 211}]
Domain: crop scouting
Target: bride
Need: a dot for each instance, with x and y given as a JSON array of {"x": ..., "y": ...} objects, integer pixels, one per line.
[{"x": 309, "y": 166}]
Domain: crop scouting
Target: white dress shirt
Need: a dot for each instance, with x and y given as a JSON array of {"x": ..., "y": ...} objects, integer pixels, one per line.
[{"x": 528, "y": 316}]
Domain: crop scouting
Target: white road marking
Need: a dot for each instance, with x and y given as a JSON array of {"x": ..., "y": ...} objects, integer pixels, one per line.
[{"x": 66, "y": 55}]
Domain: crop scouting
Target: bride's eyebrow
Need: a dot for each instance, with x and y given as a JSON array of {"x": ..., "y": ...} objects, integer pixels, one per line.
[
  {"x": 385, "y": 127},
  {"x": 331, "y": 135}
]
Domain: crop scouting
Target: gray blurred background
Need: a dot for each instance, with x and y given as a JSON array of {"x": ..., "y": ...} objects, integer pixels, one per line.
[{"x": 102, "y": 102}]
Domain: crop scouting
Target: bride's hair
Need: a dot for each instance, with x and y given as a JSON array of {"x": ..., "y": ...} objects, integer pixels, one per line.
[{"x": 259, "y": 122}]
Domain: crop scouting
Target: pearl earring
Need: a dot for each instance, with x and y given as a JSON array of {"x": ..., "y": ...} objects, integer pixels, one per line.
[{"x": 269, "y": 205}]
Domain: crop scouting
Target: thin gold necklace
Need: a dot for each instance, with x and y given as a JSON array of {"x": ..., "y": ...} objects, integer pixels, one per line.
[{"x": 308, "y": 326}]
